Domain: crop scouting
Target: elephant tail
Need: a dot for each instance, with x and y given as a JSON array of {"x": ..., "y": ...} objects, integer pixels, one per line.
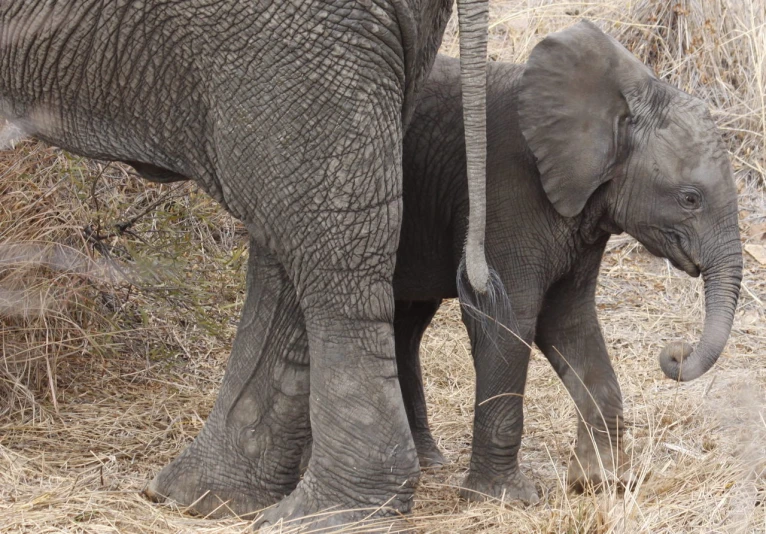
[
  {"x": 473, "y": 16},
  {"x": 488, "y": 303},
  {"x": 491, "y": 311}
]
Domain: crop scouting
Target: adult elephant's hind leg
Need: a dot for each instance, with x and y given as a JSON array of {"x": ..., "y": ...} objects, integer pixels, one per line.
[
  {"x": 248, "y": 453},
  {"x": 364, "y": 464}
]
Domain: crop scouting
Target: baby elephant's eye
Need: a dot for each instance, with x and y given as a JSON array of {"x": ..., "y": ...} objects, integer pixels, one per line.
[{"x": 690, "y": 200}]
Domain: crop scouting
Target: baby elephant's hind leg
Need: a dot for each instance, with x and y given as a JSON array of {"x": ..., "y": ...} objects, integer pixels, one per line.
[
  {"x": 501, "y": 371},
  {"x": 410, "y": 322}
]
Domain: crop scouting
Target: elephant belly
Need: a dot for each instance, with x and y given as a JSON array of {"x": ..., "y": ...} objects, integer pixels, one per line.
[{"x": 421, "y": 275}]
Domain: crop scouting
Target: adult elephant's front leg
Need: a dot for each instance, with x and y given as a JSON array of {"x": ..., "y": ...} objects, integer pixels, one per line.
[{"x": 248, "y": 453}]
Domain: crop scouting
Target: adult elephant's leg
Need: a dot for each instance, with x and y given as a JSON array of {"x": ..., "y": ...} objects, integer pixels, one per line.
[
  {"x": 570, "y": 337},
  {"x": 410, "y": 323},
  {"x": 501, "y": 373},
  {"x": 363, "y": 461},
  {"x": 411, "y": 319},
  {"x": 341, "y": 246},
  {"x": 248, "y": 452}
]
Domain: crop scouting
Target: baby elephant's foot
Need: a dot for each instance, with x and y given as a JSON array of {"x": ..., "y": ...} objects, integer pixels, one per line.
[
  {"x": 429, "y": 455},
  {"x": 592, "y": 470},
  {"x": 516, "y": 487}
]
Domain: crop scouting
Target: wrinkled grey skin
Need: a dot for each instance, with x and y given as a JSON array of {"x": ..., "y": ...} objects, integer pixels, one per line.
[
  {"x": 665, "y": 144},
  {"x": 291, "y": 114},
  {"x": 583, "y": 142}
]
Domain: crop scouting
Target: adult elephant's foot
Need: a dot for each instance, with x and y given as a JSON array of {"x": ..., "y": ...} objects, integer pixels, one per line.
[
  {"x": 210, "y": 488},
  {"x": 364, "y": 464},
  {"x": 429, "y": 455},
  {"x": 507, "y": 488},
  {"x": 591, "y": 469},
  {"x": 248, "y": 454},
  {"x": 314, "y": 509}
]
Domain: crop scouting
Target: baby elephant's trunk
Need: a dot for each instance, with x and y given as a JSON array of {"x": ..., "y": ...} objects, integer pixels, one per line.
[{"x": 679, "y": 360}]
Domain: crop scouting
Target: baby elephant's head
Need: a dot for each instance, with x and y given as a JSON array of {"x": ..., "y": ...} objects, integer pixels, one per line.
[{"x": 596, "y": 118}]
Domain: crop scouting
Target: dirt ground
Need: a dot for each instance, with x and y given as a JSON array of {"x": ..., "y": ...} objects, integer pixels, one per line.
[{"x": 107, "y": 372}]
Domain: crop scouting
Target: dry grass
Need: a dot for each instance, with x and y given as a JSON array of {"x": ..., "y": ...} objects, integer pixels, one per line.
[{"x": 118, "y": 301}]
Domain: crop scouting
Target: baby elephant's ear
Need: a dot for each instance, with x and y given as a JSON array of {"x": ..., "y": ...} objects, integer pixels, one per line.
[{"x": 575, "y": 95}]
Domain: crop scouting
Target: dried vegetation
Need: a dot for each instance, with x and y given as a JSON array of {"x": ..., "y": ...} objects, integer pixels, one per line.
[{"x": 118, "y": 302}]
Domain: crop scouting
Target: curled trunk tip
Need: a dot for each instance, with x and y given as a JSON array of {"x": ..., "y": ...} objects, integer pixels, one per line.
[
  {"x": 672, "y": 360},
  {"x": 682, "y": 362}
]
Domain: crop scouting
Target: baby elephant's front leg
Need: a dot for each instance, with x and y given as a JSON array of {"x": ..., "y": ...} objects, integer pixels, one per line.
[{"x": 569, "y": 335}]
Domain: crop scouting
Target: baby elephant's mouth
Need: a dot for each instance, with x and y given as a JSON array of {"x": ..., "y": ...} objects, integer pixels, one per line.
[{"x": 680, "y": 259}]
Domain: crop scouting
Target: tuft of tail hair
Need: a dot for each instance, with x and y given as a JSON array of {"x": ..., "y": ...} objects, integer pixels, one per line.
[{"x": 491, "y": 310}]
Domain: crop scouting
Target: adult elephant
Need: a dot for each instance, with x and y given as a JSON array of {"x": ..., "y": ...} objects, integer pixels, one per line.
[
  {"x": 291, "y": 115},
  {"x": 583, "y": 142}
]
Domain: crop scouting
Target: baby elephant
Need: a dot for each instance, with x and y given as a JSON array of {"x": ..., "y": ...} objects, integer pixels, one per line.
[{"x": 583, "y": 142}]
